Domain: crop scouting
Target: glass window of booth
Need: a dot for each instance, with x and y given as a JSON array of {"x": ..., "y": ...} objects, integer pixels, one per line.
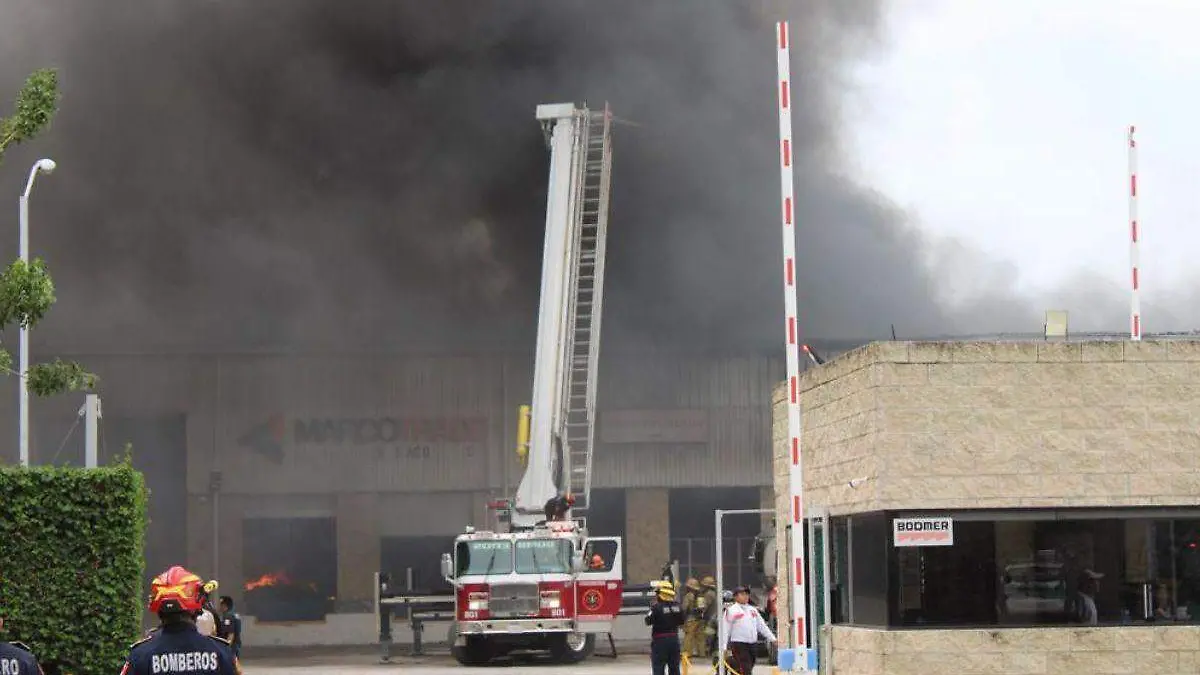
[{"x": 1068, "y": 567}]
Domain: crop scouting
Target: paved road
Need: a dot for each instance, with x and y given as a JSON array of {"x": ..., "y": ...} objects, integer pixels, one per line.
[{"x": 437, "y": 665}]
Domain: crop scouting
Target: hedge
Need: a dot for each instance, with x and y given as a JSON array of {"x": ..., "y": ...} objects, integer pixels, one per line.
[{"x": 72, "y": 564}]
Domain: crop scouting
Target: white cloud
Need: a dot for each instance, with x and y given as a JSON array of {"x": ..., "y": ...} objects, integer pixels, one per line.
[{"x": 1003, "y": 123}]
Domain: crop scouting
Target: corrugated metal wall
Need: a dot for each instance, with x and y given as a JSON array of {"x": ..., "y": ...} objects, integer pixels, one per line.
[
  {"x": 271, "y": 424},
  {"x": 735, "y": 394}
]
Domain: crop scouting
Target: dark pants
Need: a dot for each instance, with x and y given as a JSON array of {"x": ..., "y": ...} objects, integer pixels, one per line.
[
  {"x": 742, "y": 658},
  {"x": 664, "y": 655}
]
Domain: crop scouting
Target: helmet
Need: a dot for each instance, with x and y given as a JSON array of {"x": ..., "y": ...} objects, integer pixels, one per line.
[
  {"x": 709, "y": 582},
  {"x": 666, "y": 592},
  {"x": 176, "y": 591},
  {"x": 693, "y": 584}
]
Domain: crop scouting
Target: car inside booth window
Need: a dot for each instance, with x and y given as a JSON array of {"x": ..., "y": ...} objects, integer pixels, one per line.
[{"x": 607, "y": 552}]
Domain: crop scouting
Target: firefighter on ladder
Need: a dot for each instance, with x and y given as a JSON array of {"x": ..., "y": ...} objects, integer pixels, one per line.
[{"x": 556, "y": 508}]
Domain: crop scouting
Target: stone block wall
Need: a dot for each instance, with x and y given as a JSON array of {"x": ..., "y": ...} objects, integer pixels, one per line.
[
  {"x": 1021, "y": 651},
  {"x": 647, "y": 543},
  {"x": 994, "y": 425}
]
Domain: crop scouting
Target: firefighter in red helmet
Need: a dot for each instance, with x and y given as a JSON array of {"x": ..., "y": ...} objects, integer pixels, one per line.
[
  {"x": 558, "y": 506},
  {"x": 177, "y": 597}
]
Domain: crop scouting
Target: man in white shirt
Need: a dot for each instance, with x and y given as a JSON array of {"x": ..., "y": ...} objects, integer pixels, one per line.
[
  {"x": 206, "y": 623},
  {"x": 1089, "y": 584},
  {"x": 743, "y": 627}
]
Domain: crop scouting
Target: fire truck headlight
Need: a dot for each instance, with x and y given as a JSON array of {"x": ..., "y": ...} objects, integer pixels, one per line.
[
  {"x": 551, "y": 599},
  {"x": 477, "y": 602}
]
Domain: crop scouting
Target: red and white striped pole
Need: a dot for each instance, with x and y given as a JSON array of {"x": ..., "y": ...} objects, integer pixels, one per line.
[
  {"x": 799, "y": 602},
  {"x": 1135, "y": 304}
]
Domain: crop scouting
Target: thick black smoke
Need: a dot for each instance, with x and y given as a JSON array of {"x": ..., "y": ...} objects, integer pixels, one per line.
[{"x": 368, "y": 173}]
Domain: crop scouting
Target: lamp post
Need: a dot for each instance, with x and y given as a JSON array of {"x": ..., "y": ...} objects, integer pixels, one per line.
[{"x": 41, "y": 166}]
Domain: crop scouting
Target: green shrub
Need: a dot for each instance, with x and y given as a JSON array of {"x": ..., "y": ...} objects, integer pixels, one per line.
[{"x": 72, "y": 564}]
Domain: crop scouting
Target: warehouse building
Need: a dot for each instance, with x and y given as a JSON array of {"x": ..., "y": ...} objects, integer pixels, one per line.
[
  {"x": 1064, "y": 481},
  {"x": 295, "y": 478}
]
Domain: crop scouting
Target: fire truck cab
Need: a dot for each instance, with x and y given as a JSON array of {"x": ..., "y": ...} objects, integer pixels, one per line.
[{"x": 550, "y": 589}]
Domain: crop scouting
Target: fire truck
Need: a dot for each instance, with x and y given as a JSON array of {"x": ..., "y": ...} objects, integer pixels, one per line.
[{"x": 539, "y": 582}]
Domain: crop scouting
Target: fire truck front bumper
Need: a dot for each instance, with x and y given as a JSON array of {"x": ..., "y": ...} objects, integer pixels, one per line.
[{"x": 515, "y": 626}]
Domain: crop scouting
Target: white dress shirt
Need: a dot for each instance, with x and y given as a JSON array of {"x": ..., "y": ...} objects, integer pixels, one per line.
[
  {"x": 206, "y": 624},
  {"x": 743, "y": 623}
]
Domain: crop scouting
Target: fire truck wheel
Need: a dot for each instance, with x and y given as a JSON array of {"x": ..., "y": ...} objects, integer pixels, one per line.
[
  {"x": 572, "y": 647},
  {"x": 477, "y": 652}
]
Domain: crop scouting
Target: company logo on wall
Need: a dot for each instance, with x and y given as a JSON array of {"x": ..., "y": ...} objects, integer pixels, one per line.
[
  {"x": 266, "y": 439},
  {"x": 270, "y": 437}
]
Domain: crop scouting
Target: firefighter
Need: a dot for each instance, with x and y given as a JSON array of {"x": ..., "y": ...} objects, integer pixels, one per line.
[
  {"x": 693, "y": 618},
  {"x": 230, "y": 626},
  {"x": 206, "y": 622},
  {"x": 177, "y": 597},
  {"x": 597, "y": 562},
  {"x": 664, "y": 618},
  {"x": 707, "y": 606},
  {"x": 16, "y": 658},
  {"x": 557, "y": 507},
  {"x": 743, "y": 628}
]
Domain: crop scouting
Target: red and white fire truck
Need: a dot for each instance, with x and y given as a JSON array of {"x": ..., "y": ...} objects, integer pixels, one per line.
[{"x": 543, "y": 583}]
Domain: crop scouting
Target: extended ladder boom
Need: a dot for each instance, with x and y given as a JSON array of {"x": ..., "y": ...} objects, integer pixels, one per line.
[{"x": 562, "y": 426}]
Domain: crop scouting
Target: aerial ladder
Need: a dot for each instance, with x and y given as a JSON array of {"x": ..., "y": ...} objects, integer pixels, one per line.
[{"x": 557, "y": 432}]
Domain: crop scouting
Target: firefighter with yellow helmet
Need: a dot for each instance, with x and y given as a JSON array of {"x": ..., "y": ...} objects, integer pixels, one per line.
[
  {"x": 664, "y": 618},
  {"x": 177, "y": 597},
  {"x": 709, "y": 609},
  {"x": 693, "y": 618}
]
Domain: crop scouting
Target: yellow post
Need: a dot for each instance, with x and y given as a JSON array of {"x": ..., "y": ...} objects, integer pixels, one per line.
[{"x": 523, "y": 414}]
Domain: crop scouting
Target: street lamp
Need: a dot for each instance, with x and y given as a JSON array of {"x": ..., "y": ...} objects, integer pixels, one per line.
[{"x": 46, "y": 166}]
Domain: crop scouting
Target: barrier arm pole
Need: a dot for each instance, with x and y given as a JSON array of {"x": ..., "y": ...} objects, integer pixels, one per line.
[{"x": 799, "y": 600}]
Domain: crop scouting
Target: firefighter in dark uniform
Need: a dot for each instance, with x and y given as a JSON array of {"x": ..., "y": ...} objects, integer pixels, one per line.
[
  {"x": 177, "y": 597},
  {"x": 664, "y": 618},
  {"x": 17, "y": 659},
  {"x": 230, "y": 625},
  {"x": 557, "y": 507}
]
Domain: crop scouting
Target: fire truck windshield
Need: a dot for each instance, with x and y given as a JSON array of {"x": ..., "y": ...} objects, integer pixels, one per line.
[
  {"x": 544, "y": 556},
  {"x": 483, "y": 557}
]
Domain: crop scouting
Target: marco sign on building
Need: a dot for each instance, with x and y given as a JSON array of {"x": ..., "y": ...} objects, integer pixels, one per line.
[{"x": 979, "y": 498}]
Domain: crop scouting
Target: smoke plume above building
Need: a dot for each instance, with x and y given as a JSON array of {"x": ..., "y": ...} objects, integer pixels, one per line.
[{"x": 329, "y": 174}]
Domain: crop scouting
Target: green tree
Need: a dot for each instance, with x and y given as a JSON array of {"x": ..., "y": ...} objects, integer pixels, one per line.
[{"x": 26, "y": 289}]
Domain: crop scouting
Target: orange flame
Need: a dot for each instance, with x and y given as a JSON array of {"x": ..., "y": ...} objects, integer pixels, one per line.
[{"x": 268, "y": 580}]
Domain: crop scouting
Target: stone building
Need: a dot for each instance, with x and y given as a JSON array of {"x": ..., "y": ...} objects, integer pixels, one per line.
[{"x": 1054, "y": 463}]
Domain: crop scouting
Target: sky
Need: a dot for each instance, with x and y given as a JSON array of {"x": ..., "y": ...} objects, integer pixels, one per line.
[{"x": 1002, "y": 126}]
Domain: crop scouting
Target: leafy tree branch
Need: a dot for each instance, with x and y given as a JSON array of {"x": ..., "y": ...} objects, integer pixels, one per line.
[{"x": 26, "y": 289}]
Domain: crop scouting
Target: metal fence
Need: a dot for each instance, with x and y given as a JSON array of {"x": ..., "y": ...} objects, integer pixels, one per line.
[{"x": 697, "y": 558}]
